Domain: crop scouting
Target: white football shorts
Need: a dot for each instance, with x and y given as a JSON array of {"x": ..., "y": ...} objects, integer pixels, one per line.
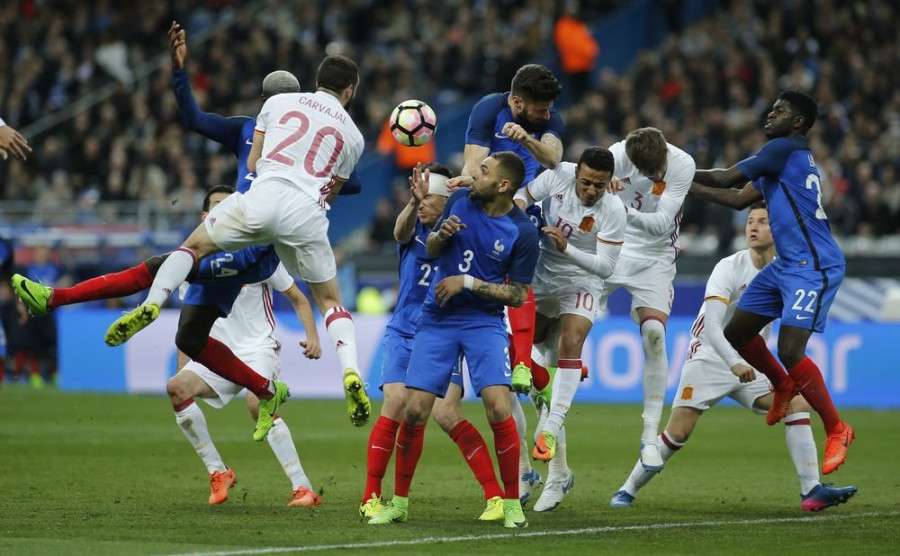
[
  {"x": 649, "y": 281},
  {"x": 274, "y": 211},
  {"x": 265, "y": 362},
  {"x": 556, "y": 295},
  {"x": 703, "y": 384}
]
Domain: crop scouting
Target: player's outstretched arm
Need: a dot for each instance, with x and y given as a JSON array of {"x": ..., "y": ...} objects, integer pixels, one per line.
[
  {"x": 11, "y": 141},
  {"x": 312, "y": 348},
  {"x": 405, "y": 225},
  {"x": 720, "y": 177},
  {"x": 220, "y": 129},
  {"x": 548, "y": 150},
  {"x": 738, "y": 199}
]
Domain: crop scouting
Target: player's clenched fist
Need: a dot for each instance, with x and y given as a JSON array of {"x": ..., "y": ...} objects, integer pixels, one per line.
[
  {"x": 450, "y": 227},
  {"x": 515, "y": 132},
  {"x": 744, "y": 372},
  {"x": 459, "y": 181}
]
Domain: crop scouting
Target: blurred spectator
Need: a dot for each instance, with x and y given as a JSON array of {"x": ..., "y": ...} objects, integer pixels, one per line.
[
  {"x": 578, "y": 52},
  {"x": 381, "y": 232}
]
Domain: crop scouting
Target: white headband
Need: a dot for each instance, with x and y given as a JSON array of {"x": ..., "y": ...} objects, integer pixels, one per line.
[{"x": 437, "y": 185}]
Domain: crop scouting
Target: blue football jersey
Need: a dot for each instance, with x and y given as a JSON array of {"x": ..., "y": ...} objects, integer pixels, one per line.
[
  {"x": 485, "y": 129},
  {"x": 248, "y": 266},
  {"x": 785, "y": 172},
  {"x": 417, "y": 271},
  {"x": 493, "y": 249}
]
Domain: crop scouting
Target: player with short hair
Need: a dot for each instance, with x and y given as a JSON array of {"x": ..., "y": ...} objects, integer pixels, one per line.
[
  {"x": 800, "y": 285},
  {"x": 713, "y": 370},
  {"x": 305, "y": 146},
  {"x": 524, "y": 121},
  {"x": 581, "y": 244},
  {"x": 234, "y": 132},
  {"x": 487, "y": 251},
  {"x": 655, "y": 177},
  {"x": 428, "y": 187}
]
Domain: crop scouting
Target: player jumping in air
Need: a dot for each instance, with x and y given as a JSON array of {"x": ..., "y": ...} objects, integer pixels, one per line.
[{"x": 800, "y": 285}]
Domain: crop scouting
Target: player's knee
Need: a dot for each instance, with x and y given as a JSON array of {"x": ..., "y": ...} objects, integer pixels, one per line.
[
  {"x": 789, "y": 356},
  {"x": 393, "y": 409},
  {"x": 153, "y": 263},
  {"x": 653, "y": 334},
  {"x": 799, "y": 405},
  {"x": 497, "y": 411},
  {"x": 570, "y": 346},
  {"x": 177, "y": 390},
  {"x": 446, "y": 418}
]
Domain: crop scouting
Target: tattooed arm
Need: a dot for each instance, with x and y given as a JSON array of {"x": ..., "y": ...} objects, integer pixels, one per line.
[{"x": 512, "y": 294}]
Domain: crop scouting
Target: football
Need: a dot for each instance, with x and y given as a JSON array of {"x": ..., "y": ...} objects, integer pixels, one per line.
[{"x": 413, "y": 123}]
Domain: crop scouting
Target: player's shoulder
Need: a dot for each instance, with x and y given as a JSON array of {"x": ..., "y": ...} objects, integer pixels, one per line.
[
  {"x": 495, "y": 101},
  {"x": 560, "y": 177},
  {"x": 612, "y": 203},
  {"x": 523, "y": 223},
  {"x": 732, "y": 263},
  {"x": 679, "y": 159}
]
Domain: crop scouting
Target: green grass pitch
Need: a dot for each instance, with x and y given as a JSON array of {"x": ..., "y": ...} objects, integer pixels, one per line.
[{"x": 111, "y": 474}]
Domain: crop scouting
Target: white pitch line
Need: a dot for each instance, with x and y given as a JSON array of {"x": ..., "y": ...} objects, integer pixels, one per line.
[{"x": 556, "y": 533}]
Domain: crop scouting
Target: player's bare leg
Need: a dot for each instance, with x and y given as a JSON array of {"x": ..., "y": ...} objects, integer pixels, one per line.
[
  {"x": 342, "y": 332},
  {"x": 653, "y": 341}
]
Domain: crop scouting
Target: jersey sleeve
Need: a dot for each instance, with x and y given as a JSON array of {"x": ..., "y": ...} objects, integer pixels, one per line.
[
  {"x": 525, "y": 254},
  {"x": 719, "y": 289},
  {"x": 481, "y": 122},
  {"x": 768, "y": 161},
  {"x": 349, "y": 157},
  {"x": 539, "y": 188},
  {"x": 262, "y": 120},
  {"x": 612, "y": 228},
  {"x": 226, "y": 131},
  {"x": 280, "y": 280}
]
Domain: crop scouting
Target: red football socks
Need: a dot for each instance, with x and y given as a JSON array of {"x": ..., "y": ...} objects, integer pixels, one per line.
[
  {"x": 521, "y": 320},
  {"x": 757, "y": 353},
  {"x": 381, "y": 446},
  {"x": 218, "y": 358},
  {"x": 410, "y": 441},
  {"x": 475, "y": 451},
  {"x": 108, "y": 286},
  {"x": 506, "y": 446},
  {"x": 810, "y": 383}
]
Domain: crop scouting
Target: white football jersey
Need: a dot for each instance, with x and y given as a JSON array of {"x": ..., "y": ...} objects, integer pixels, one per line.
[
  {"x": 726, "y": 284},
  {"x": 643, "y": 196},
  {"x": 250, "y": 327},
  {"x": 583, "y": 226},
  {"x": 309, "y": 139}
]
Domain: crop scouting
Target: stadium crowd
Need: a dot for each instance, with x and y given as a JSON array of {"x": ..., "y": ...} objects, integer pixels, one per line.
[{"x": 706, "y": 87}]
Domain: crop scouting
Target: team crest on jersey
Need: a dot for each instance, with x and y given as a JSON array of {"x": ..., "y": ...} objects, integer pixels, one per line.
[
  {"x": 587, "y": 224},
  {"x": 659, "y": 187},
  {"x": 558, "y": 197},
  {"x": 498, "y": 247},
  {"x": 687, "y": 393},
  {"x": 212, "y": 221},
  {"x": 626, "y": 180}
]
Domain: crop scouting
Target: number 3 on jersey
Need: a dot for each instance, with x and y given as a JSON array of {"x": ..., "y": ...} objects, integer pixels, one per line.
[
  {"x": 310, "y": 158},
  {"x": 466, "y": 263}
]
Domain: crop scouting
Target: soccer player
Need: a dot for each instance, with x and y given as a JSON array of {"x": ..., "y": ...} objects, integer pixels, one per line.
[
  {"x": 521, "y": 120},
  {"x": 249, "y": 331},
  {"x": 585, "y": 232},
  {"x": 224, "y": 275},
  {"x": 305, "y": 145},
  {"x": 800, "y": 285},
  {"x": 655, "y": 177},
  {"x": 428, "y": 187},
  {"x": 12, "y": 142},
  {"x": 234, "y": 132},
  {"x": 713, "y": 370},
  {"x": 487, "y": 250}
]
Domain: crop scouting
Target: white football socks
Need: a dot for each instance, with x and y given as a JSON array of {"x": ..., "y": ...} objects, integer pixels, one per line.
[
  {"x": 640, "y": 476},
  {"x": 653, "y": 339},
  {"x": 282, "y": 445},
  {"x": 802, "y": 447},
  {"x": 192, "y": 423},
  {"x": 173, "y": 272},
  {"x": 565, "y": 384},
  {"x": 342, "y": 332},
  {"x": 522, "y": 428}
]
